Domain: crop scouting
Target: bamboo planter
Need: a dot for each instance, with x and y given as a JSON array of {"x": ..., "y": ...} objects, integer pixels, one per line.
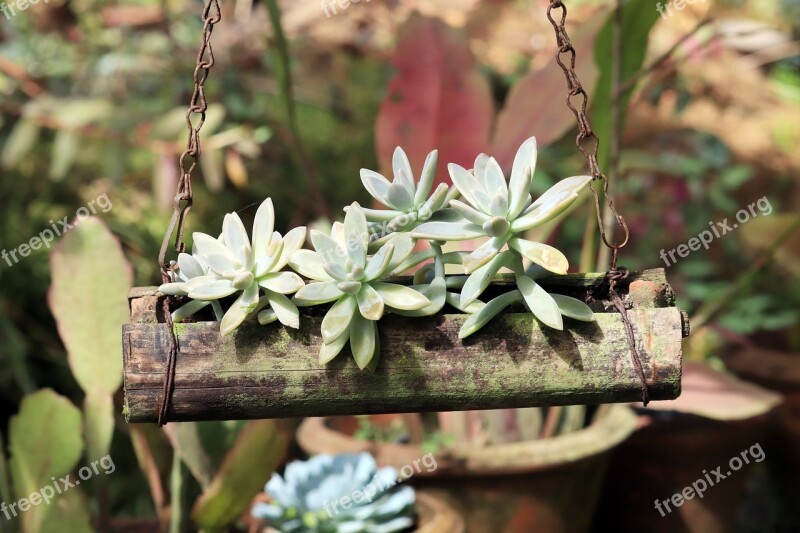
[{"x": 271, "y": 371}]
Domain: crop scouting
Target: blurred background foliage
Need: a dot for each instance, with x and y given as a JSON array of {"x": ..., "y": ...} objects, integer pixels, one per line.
[{"x": 92, "y": 98}]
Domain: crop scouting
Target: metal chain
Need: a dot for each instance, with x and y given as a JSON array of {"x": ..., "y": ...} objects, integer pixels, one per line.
[
  {"x": 182, "y": 202},
  {"x": 588, "y": 143}
]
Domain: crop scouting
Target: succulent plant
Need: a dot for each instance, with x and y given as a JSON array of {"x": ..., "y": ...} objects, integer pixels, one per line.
[
  {"x": 237, "y": 265},
  {"x": 337, "y": 494},
  {"x": 190, "y": 271},
  {"x": 502, "y": 212},
  {"x": 407, "y": 201},
  {"x": 345, "y": 274}
]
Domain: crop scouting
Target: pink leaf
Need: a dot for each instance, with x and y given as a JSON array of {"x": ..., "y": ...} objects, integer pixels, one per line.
[
  {"x": 536, "y": 105},
  {"x": 436, "y": 100}
]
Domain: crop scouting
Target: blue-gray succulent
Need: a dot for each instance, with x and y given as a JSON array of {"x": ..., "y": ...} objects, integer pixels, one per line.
[{"x": 337, "y": 494}]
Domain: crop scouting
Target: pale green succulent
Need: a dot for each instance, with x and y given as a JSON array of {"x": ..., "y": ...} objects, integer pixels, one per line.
[
  {"x": 407, "y": 201},
  {"x": 344, "y": 273},
  {"x": 502, "y": 212},
  {"x": 190, "y": 271},
  {"x": 237, "y": 265}
]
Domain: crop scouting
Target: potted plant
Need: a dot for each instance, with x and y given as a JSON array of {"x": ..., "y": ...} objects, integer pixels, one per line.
[
  {"x": 505, "y": 470},
  {"x": 688, "y": 453},
  {"x": 332, "y": 494}
]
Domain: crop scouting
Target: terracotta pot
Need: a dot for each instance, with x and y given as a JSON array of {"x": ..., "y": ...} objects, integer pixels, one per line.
[
  {"x": 546, "y": 485},
  {"x": 675, "y": 447},
  {"x": 779, "y": 371}
]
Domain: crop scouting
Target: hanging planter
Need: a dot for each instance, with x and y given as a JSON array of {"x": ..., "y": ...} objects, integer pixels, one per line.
[{"x": 277, "y": 330}]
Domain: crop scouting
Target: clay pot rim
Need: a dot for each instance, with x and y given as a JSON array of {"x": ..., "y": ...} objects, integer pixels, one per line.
[{"x": 315, "y": 437}]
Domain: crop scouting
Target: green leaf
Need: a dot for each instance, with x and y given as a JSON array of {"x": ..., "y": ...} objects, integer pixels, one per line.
[
  {"x": 186, "y": 441},
  {"x": 542, "y": 254},
  {"x": 370, "y": 303},
  {"x": 308, "y": 264},
  {"x": 329, "y": 351},
  {"x": 638, "y": 17},
  {"x": 540, "y": 303},
  {"x": 487, "y": 312},
  {"x": 378, "y": 265},
  {"x": 483, "y": 253},
  {"x": 338, "y": 318},
  {"x": 320, "y": 292},
  {"x": 478, "y": 281},
  {"x": 98, "y": 412},
  {"x": 362, "y": 340},
  {"x": 89, "y": 300},
  {"x": 65, "y": 148},
  {"x": 20, "y": 142},
  {"x": 447, "y": 231},
  {"x": 436, "y": 292},
  {"x": 259, "y": 449},
  {"x": 287, "y": 312},
  {"x": 552, "y": 203},
  {"x": 573, "y": 308},
  {"x": 45, "y": 441},
  {"x": 400, "y": 297},
  {"x": 426, "y": 178}
]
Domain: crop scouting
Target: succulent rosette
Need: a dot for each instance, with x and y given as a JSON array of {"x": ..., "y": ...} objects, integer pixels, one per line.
[
  {"x": 306, "y": 499},
  {"x": 503, "y": 212},
  {"x": 407, "y": 201},
  {"x": 237, "y": 265},
  {"x": 344, "y": 273}
]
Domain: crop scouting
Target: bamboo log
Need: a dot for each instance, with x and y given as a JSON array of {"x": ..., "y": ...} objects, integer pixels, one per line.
[{"x": 272, "y": 371}]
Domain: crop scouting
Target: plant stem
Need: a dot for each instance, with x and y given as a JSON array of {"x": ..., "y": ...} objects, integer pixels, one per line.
[
  {"x": 711, "y": 307},
  {"x": 283, "y": 69},
  {"x": 178, "y": 503}
]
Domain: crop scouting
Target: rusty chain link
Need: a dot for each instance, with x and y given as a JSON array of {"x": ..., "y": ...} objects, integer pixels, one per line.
[
  {"x": 182, "y": 203},
  {"x": 588, "y": 143}
]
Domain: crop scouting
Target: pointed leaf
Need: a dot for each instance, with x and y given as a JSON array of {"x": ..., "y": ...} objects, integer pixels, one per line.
[
  {"x": 329, "y": 351},
  {"x": 292, "y": 242},
  {"x": 551, "y": 204},
  {"x": 542, "y": 254},
  {"x": 308, "y": 264},
  {"x": 540, "y": 303},
  {"x": 287, "y": 312},
  {"x": 573, "y": 308},
  {"x": 213, "y": 290},
  {"x": 481, "y": 278},
  {"x": 281, "y": 282},
  {"x": 399, "y": 296},
  {"x": 259, "y": 449},
  {"x": 378, "y": 265},
  {"x": 483, "y": 254},
  {"x": 447, "y": 231},
  {"x": 370, "y": 303},
  {"x": 234, "y": 317},
  {"x": 263, "y": 226},
  {"x": 469, "y": 213},
  {"x": 426, "y": 178},
  {"x": 317, "y": 293},
  {"x": 403, "y": 175},
  {"x": 338, "y": 318},
  {"x": 362, "y": 340},
  {"x": 487, "y": 312}
]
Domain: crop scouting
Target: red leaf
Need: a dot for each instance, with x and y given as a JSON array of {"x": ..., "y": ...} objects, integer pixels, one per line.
[
  {"x": 535, "y": 105},
  {"x": 436, "y": 100}
]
